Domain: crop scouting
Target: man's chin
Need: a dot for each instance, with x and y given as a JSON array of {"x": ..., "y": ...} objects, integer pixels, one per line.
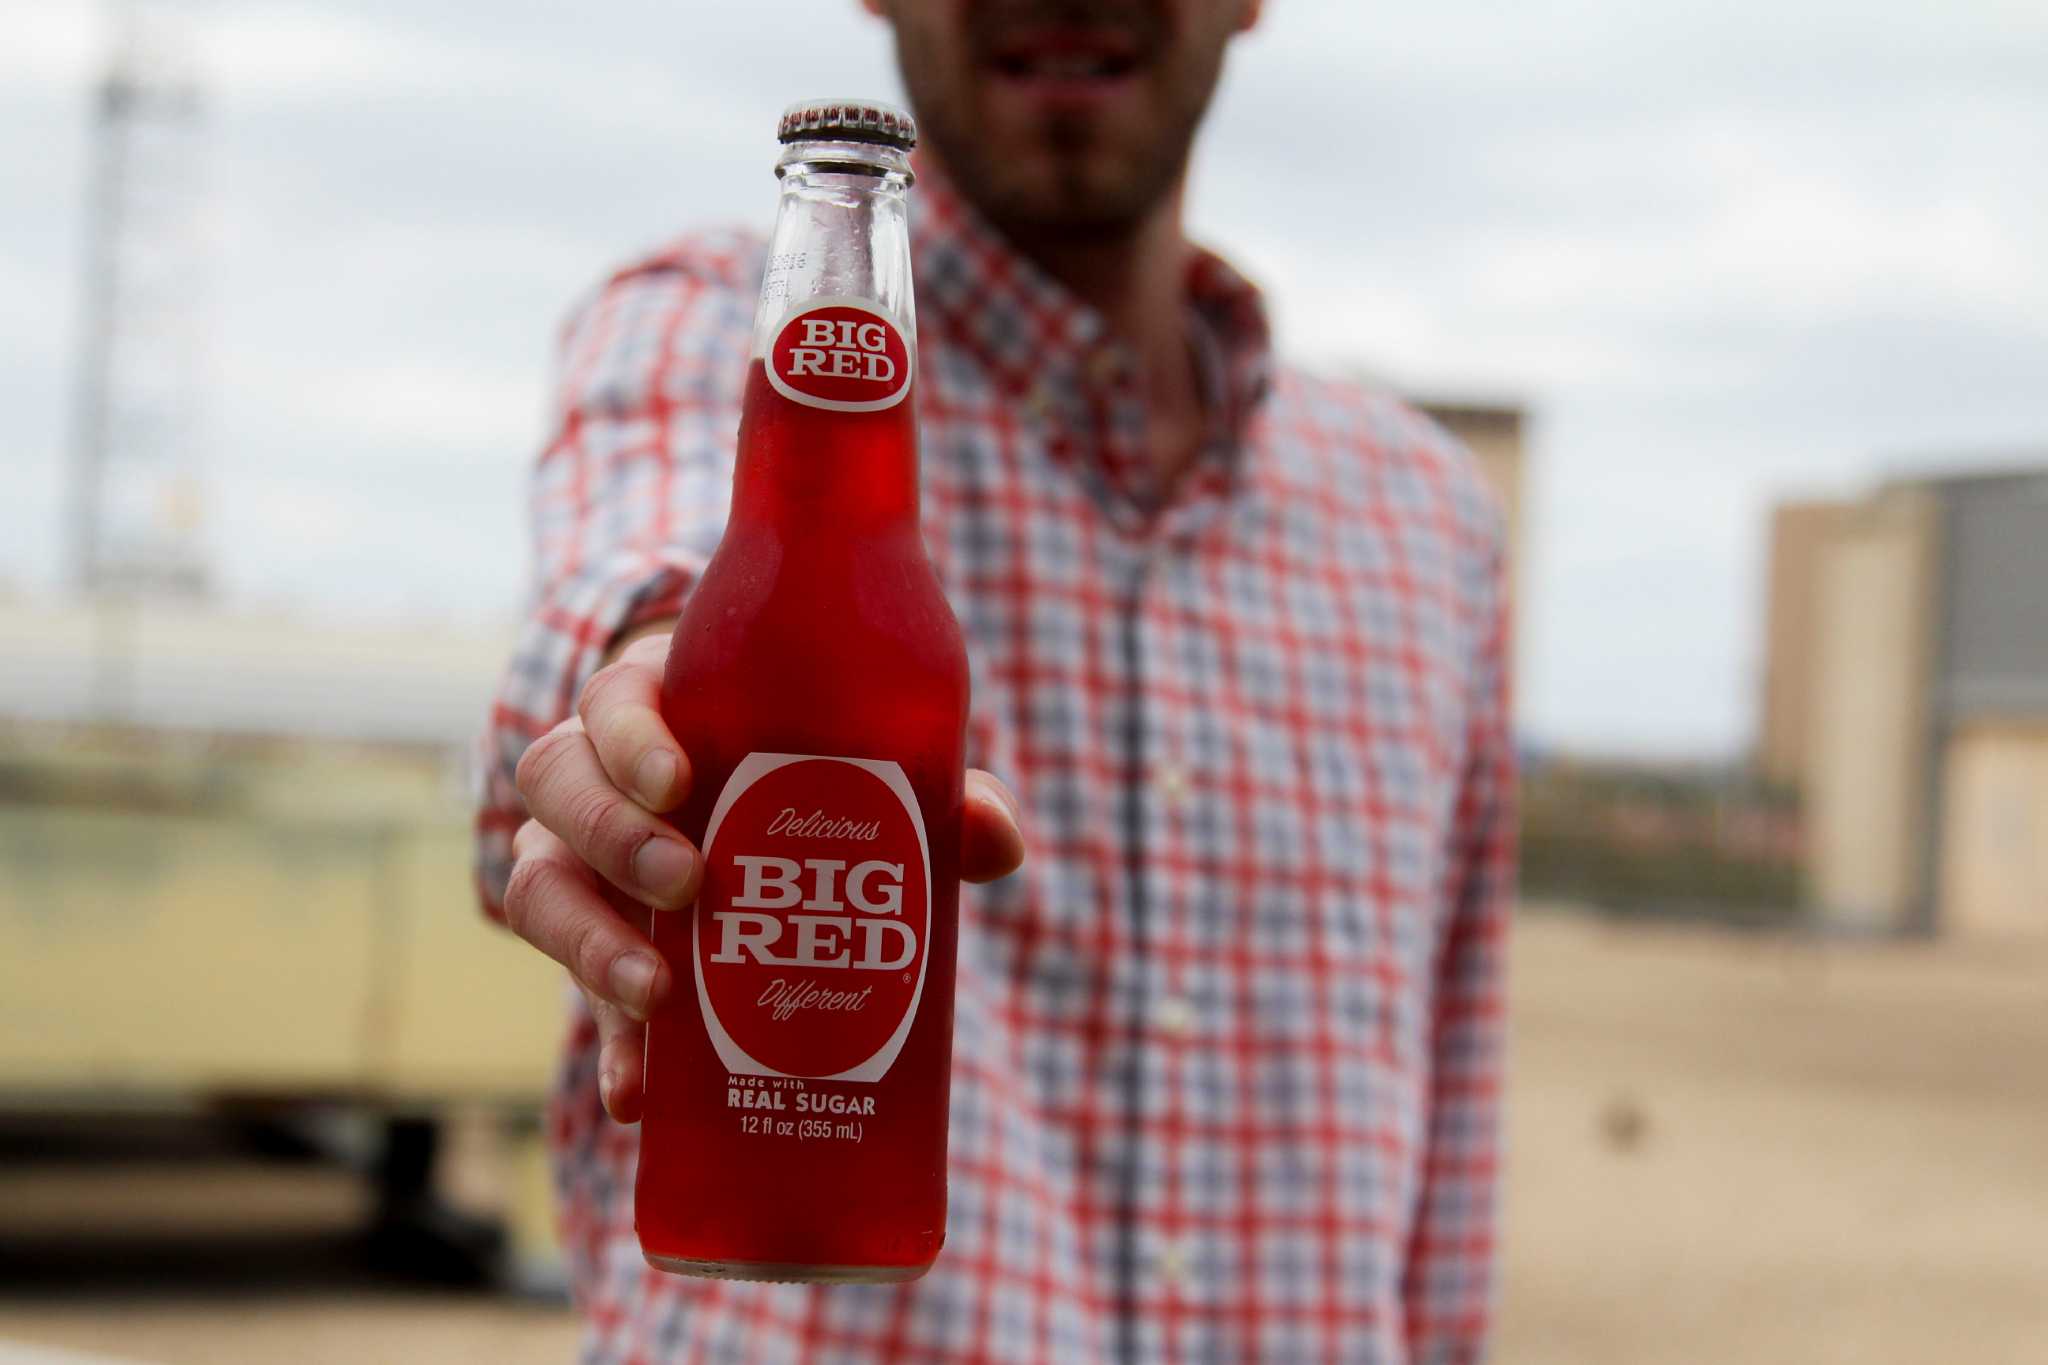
[{"x": 1067, "y": 196}]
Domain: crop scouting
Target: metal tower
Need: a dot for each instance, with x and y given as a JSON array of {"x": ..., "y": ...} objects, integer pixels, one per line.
[{"x": 136, "y": 514}]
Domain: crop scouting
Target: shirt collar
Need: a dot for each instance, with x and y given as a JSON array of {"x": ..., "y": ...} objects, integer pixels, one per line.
[{"x": 1040, "y": 342}]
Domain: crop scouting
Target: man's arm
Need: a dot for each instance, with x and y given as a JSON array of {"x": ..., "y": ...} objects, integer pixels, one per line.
[
  {"x": 1448, "y": 1284},
  {"x": 627, "y": 501}
]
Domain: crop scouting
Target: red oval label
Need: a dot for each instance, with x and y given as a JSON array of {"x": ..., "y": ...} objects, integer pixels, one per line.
[
  {"x": 812, "y": 924},
  {"x": 843, "y": 354}
]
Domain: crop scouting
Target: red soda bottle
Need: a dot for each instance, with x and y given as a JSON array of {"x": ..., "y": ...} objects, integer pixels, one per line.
[{"x": 795, "y": 1119}]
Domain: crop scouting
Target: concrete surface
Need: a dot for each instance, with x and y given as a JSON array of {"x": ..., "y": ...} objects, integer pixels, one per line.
[{"x": 1726, "y": 1149}]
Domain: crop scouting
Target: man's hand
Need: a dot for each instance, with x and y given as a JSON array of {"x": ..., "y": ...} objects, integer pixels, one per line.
[{"x": 596, "y": 861}]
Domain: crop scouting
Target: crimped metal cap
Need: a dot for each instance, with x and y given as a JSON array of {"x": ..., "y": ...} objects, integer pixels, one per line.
[{"x": 848, "y": 121}]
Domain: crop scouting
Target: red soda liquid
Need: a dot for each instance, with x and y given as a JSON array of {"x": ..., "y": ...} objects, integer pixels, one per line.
[{"x": 818, "y": 628}]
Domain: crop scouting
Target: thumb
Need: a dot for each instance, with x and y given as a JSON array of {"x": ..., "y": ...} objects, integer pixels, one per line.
[{"x": 991, "y": 841}]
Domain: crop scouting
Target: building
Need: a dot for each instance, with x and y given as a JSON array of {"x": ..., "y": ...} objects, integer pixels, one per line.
[
  {"x": 251, "y": 834},
  {"x": 1799, "y": 531},
  {"x": 1906, "y": 695},
  {"x": 1496, "y": 434}
]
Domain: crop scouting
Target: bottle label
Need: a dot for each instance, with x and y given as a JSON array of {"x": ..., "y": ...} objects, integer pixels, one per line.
[
  {"x": 813, "y": 922},
  {"x": 844, "y": 354}
]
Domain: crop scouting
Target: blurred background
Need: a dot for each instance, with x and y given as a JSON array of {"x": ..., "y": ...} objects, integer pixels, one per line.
[{"x": 1742, "y": 305}]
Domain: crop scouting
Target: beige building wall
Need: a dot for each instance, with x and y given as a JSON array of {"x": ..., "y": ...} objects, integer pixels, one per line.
[
  {"x": 1495, "y": 434},
  {"x": 293, "y": 923},
  {"x": 1865, "y": 750},
  {"x": 1800, "y": 532},
  {"x": 159, "y": 952},
  {"x": 1994, "y": 846}
]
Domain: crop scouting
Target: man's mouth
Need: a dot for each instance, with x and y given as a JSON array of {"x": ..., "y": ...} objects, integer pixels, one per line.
[
  {"x": 1066, "y": 60},
  {"x": 1067, "y": 63}
]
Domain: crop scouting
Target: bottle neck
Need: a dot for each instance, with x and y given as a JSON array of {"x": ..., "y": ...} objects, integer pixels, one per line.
[
  {"x": 828, "y": 439},
  {"x": 842, "y": 230}
]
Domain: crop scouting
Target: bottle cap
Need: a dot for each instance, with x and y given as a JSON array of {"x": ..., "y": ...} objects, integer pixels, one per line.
[{"x": 848, "y": 121}]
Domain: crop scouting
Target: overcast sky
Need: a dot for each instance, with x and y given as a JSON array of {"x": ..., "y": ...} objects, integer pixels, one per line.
[{"x": 1726, "y": 250}]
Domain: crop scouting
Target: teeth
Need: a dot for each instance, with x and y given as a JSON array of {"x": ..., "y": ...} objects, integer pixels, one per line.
[{"x": 1069, "y": 66}]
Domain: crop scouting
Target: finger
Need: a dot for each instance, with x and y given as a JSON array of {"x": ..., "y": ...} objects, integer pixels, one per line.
[
  {"x": 991, "y": 842},
  {"x": 567, "y": 790},
  {"x": 621, "y": 711},
  {"x": 621, "y": 1060},
  {"x": 552, "y": 903}
]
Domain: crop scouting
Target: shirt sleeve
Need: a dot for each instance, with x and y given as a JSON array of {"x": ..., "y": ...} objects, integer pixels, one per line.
[
  {"x": 1448, "y": 1283},
  {"x": 628, "y": 498}
]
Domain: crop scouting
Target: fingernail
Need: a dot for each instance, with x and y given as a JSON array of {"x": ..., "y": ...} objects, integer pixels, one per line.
[
  {"x": 606, "y": 1079},
  {"x": 633, "y": 982},
  {"x": 1009, "y": 802},
  {"x": 662, "y": 866},
  {"x": 655, "y": 778}
]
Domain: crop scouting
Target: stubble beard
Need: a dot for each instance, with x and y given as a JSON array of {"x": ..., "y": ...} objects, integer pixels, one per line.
[
  {"x": 1078, "y": 181},
  {"x": 1078, "y": 189}
]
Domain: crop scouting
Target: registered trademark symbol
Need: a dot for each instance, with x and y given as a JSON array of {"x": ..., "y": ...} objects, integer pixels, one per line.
[{"x": 906, "y": 976}]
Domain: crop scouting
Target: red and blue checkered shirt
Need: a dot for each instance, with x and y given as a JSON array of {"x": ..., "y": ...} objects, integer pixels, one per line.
[{"x": 1227, "y": 1062}]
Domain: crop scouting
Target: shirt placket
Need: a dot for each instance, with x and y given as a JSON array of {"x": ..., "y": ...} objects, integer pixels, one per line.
[
  {"x": 1092, "y": 425},
  {"x": 1130, "y": 1068}
]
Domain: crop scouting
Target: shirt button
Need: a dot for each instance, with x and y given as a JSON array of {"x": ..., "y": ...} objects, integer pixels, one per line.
[
  {"x": 1174, "y": 1016},
  {"x": 1040, "y": 402},
  {"x": 1173, "y": 1263},
  {"x": 1171, "y": 782}
]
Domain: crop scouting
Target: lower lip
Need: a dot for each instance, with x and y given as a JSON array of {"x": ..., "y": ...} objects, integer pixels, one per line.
[{"x": 1068, "y": 92}]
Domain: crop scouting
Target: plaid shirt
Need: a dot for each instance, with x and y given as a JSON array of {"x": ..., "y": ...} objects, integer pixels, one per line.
[{"x": 1226, "y": 1068}]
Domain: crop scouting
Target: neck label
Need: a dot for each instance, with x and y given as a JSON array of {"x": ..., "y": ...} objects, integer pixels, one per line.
[{"x": 841, "y": 354}]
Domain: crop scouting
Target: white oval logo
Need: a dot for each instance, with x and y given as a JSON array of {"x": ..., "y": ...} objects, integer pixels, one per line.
[
  {"x": 841, "y": 354},
  {"x": 812, "y": 929}
]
